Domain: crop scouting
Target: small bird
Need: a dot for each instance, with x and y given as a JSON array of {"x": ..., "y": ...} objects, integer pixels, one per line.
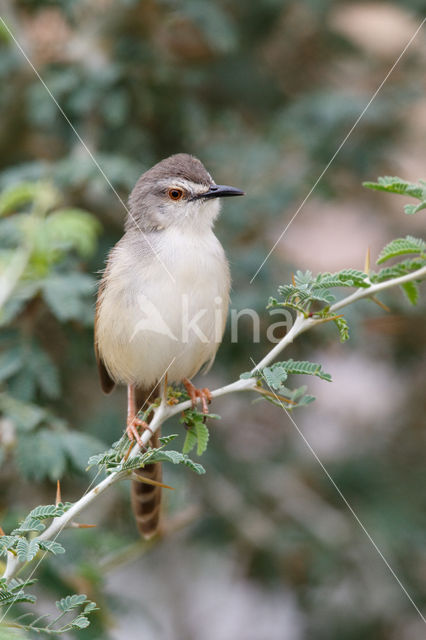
[{"x": 162, "y": 301}]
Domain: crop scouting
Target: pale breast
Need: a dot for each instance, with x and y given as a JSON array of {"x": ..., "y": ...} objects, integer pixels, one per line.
[{"x": 149, "y": 322}]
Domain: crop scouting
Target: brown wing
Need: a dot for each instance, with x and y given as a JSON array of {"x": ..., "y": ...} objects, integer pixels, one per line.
[{"x": 107, "y": 383}]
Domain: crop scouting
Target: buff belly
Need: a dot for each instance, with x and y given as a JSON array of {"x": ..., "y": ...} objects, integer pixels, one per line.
[{"x": 167, "y": 317}]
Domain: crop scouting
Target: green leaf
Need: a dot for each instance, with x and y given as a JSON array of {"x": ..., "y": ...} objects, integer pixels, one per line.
[
  {"x": 247, "y": 374},
  {"x": 411, "y": 290},
  {"x": 35, "y": 367},
  {"x": 307, "y": 290},
  {"x": 90, "y": 606},
  {"x": 72, "y": 229},
  {"x": 411, "y": 209},
  {"x": 42, "y": 512},
  {"x": 10, "y": 363},
  {"x": 304, "y": 367},
  {"x": 134, "y": 463},
  {"x": 8, "y": 598},
  {"x": 397, "y": 185},
  {"x": 23, "y": 292},
  {"x": 11, "y": 235},
  {"x": 16, "y": 584},
  {"x": 298, "y": 397},
  {"x": 78, "y": 446},
  {"x": 27, "y": 549},
  {"x": 202, "y": 437},
  {"x": 194, "y": 466},
  {"x": 166, "y": 439},
  {"x": 71, "y": 602},
  {"x": 67, "y": 296},
  {"x": 399, "y": 269},
  {"x": 41, "y": 455},
  {"x": 28, "y": 525},
  {"x": 81, "y": 622},
  {"x": 275, "y": 376},
  {"x": 344, "y": 278},
  {"x": 305, "y": 400},
  {"x": 40, "y": 366},
  {"x": 401, "y": 246},
  {"x": 196, "y": 431},
  {"x": 302, "y": 278},
  {"x": 303, "y": 295},
  {"x": 343, "y": 328},
  {"x": 175, "y": 457},
  {"x": 50, "y": 545},
  {"x": 7, "y": 542},
  {"x": 393, "y": 184},
  {"x": 24, "y": 415},
  {"x": 98, "y": 459},
  {"x": 190, "y": 440},
  {"x": 16, "y": 197}
]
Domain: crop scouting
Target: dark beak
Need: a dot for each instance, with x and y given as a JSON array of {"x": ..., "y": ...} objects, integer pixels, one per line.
[{"x": 220, "y": 191}]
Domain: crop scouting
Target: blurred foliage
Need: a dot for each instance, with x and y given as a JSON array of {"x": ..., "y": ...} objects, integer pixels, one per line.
[
  {"x": 41, "y": 248},
  {"x": 263, "y": 92}
]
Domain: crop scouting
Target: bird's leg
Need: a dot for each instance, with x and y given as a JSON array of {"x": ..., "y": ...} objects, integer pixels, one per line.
[
  {"x": 133, "y": 422},
  {"x": 203, "y": 394},
  {"x": 165, "y": 388}
]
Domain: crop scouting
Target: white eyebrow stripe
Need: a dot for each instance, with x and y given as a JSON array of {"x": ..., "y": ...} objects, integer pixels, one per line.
[
  {"x": 187, "y": 185},
  {"x": 198, "y": 188}
]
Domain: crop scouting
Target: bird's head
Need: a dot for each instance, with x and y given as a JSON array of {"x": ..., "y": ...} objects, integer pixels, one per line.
[{"x": 179, "y": 192}]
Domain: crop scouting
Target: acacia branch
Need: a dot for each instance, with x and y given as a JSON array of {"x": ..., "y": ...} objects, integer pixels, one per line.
[
  {"x": 420, "y": 274},
  {"x": 165, "y": 411}
]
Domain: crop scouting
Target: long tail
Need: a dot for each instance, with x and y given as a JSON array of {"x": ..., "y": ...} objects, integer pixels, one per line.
[{"x": 146, "y": 498}]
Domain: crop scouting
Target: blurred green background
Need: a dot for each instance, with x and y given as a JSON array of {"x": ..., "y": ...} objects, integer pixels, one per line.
[{"x": 261, "y": 547}]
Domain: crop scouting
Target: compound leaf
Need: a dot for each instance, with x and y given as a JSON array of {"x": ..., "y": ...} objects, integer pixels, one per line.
[
  {"x": 27, "y": 549},
  {"x": 401, "y": 246}
]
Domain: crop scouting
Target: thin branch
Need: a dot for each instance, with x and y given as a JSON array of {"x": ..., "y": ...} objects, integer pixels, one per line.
[
  {"x": 164, "y": 411},
  {"x": 420, "y": 274}
]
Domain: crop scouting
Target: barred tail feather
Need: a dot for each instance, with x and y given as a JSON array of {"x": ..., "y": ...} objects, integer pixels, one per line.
[{"x": 146, "y": 498}]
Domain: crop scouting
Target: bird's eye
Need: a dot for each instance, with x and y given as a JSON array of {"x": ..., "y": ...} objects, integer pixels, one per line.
[{"x": 175, "y": 194}]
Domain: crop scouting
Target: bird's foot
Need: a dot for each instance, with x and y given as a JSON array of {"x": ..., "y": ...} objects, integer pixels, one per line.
[
  {"x": 132, "y": 430},
  {"x": 203, "y": 394}
]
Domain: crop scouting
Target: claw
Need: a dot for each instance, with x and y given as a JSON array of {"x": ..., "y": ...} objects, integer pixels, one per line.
[
  {"x": 195, "y": 394},
  {"x": 132, "y": 430},
  {"x": 133, "y": 422}
]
